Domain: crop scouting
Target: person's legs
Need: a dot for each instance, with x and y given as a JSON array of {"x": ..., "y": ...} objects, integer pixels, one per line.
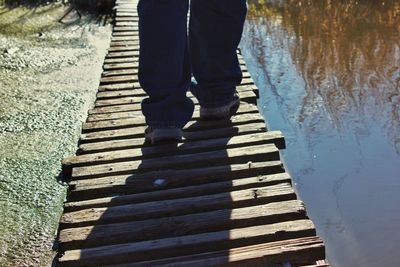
[
  {"x": 164, "y": 66},
  {"x": 215, "y": 31}
]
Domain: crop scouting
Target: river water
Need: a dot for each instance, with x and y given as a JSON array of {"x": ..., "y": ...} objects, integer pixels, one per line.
[
  {"x": 49, "y": 74},
  {"x": 329, "y": 78}
]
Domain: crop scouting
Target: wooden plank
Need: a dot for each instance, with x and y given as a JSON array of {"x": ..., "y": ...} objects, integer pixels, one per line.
[
  {"x": 176, "y": 207},
  {"x": 135, "y": 112},
  {"x": 118, "y": 93},
  {"x": 193, "y": 125},
  {"x": 124, "y": 100},
  {"x": 126, "y": 17},
  {"x": 118, "y": 79},
  {"x": 126, "y": 14},
  {"x": 123, "y": 48},
  {"x": 105, "y": 109},
  {"x": 227, "y": 156},
  {"x": 126, "y": 33},
  {"x": 128, "y": 6},
  {"x": 121, "y": 66},
  {"x": 148, "y": 181},
  {"x": 122, "y": 54},
  {"x": 138, "y": 132},
  {"x": 117, "y": 233},
  {"x": 108, "y": 73},
  {"x": 123, "y": 43},
  {"x": 128, "y": 72},
  {"x": 130, "y": 23},
  {"x": 132, "y": 40},
  {"x": 180, "y": 192},
  {"x": 121, "y": 86},
  {"x": 124, "y": 38},
  {"x": 179, "y": 246},
  {"x": 244, "y": 95},
  {"x": 130, "y": 143},
  {"x": 173, "y": 149},
  {"x": 124, "y": 28},
  {"x": 260, "y": 255},
  {"x": 121, "y": 60}
]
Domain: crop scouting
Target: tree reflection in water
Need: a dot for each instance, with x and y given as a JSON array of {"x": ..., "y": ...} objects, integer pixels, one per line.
[
  {"x": 329, "y": 77},
  {"x": 347, "y": 53}
]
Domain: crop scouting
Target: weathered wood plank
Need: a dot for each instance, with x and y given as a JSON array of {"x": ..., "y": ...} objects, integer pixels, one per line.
[
  {"x": 118, "y": 118},
  {"x": 121, "y": 60},
  {"x": 129, "y": 23},
  {"x": 137, "y": 114},
  {"x": 122, "y": 14},
  {"x": 126, "y": 17},
  {"x": 123, "y": 48},
  {"x": 244, "y": 95},
  {"x": 124, "y": 38},
  {"x": 122, "y": 54},
  {"x": 173, "y": 149},
  {"x": 121, "y": 86},
  {"x": 260, "y": 255},
  {"x": 121, "y": 66},
  {"x": 229, "y": 156},
  {"x": 131, "y": 40},
  {"x": 123, "y": 43},
  {"x": 120, "y": 100},
  {"x": 109, "y": 73},
  {"x": 119, "y": 93},
  {"x": 274, "y": 137},
  {"x": 179, "y": 246},
  {"x": 100, "y": 235},
  {"x": 176, "y": 207},
  {"x": 127, "y": 72},
  {"x": 195, "y": 124},
  {"x": 138, "y": 132},
  {"x": 118, "y": 79},
  {"x": 148, "y": 181},
  {"x": 124, "y": 28},
  {"x": 126, "y": 33},
  {"x": 180, "y": 192},
  {"x": 228, "y": 129}
]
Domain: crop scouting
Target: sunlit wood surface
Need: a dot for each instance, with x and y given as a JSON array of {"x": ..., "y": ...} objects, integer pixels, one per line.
[{"x": 219, "y": 197}]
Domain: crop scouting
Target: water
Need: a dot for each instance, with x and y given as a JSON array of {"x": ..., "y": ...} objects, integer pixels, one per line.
[
  {"x": 329, "y": 78},
  {"x": 49, "y": 74}
]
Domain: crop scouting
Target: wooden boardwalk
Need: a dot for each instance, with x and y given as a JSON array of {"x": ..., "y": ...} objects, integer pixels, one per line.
[{"x": 219, "y": 197}]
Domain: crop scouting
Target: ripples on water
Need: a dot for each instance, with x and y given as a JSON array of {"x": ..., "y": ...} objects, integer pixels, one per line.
[{"x": 329, "y": 78}]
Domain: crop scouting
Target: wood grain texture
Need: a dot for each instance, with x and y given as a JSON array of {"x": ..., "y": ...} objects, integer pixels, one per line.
[
  {"x": 200, "y": 243},
  {"x": 296, "y": 251},
  {"x": 116, "y": 233},
  {"x": 179, "y": 192},
  {"x": 147, "y": 181},
  {"x": 218, "y": 197}
]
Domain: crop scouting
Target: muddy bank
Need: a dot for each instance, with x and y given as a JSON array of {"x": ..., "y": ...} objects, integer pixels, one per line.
[{"x": 49, "y": 75}]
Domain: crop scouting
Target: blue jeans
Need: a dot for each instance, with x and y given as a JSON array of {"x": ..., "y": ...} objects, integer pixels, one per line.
[{"x": 169, "y": 56}]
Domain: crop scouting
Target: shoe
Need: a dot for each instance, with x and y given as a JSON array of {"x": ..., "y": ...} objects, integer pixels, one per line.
[
  {"x": 155, "y": 135},
  {"x": 224, "y": 112}
]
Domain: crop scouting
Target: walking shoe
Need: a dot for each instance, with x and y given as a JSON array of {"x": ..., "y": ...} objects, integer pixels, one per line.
[
  {"x": 223, "y": 112},
  {"x": 155, "y": 135}
]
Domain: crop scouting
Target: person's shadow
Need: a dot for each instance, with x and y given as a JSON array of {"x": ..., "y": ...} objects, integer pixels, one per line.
[{"x": 177, "y": 199}]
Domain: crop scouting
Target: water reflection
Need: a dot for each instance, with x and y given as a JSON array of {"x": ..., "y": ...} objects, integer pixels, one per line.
[{"x": 329, "y": 74}]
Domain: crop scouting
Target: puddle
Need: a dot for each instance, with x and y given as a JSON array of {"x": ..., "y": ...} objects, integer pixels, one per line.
[{"x": 329, "y": 78}]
